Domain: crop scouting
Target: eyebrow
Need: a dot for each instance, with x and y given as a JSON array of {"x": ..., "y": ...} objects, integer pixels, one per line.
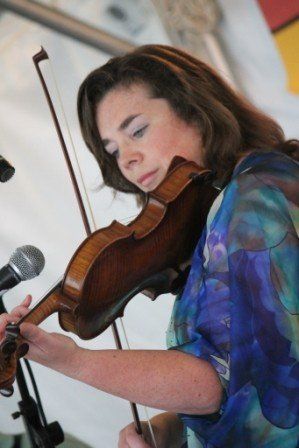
[{"x": 124, "y": 124}]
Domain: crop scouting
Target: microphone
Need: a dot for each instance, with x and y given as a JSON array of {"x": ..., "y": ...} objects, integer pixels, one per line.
[
  {"x": 6, "y": 170},
  {"x": 25, "y": 263}
]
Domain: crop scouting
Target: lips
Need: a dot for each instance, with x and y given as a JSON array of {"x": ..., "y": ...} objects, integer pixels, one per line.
[{"x": 147, "y": 178}]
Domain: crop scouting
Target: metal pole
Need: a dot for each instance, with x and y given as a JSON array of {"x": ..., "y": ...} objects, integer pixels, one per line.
[{"x": 69, "y": 26}]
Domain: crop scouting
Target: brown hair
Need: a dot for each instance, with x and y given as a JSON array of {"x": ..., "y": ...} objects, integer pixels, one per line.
[{"x": 228, "y": 123}]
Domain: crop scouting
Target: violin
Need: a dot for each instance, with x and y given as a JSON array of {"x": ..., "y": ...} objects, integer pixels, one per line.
[{"x": 151, "y": 254}]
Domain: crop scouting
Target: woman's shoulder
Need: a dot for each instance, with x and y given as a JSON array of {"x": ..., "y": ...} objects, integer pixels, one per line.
[
  {"x": 268, "y": 167},
  {"x": 262, "y": 175},
  {"x": 260, "y": 204}
]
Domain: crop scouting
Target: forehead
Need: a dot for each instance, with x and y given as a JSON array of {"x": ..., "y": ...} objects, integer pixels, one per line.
[{"x": 120, "y": 102}]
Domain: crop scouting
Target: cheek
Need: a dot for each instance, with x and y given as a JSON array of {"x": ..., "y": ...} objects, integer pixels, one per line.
[
  {"x": 164, "y": 143},
  {"x": 176, "y": 145}
]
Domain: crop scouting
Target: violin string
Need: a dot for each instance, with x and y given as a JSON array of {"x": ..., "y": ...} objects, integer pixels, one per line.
[
  {"x": 72, "y": 146},
  {"x": 92, "y": 216},
  {"x": 144, "y": 407}
]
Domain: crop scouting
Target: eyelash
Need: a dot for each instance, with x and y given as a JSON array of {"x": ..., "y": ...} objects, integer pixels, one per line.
[
  {"x": 114, "y": 153},
  {"x": 138, "y": 134}
]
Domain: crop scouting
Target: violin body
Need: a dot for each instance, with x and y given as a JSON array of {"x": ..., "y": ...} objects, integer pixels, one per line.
[
  {"x": 161, "y": 239},
  {"x": 113, "y": 264}
]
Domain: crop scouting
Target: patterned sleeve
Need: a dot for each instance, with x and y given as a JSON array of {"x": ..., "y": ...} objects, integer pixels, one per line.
[{"x": 263, "y": 264}]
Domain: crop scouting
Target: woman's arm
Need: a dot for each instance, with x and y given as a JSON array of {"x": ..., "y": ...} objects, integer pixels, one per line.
[{"x": 169, "y": 380}]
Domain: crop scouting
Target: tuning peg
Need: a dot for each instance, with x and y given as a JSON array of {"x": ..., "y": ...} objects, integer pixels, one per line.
[
  {"x": 8, "y": 347},
  {"x": 23, "y": 350}
]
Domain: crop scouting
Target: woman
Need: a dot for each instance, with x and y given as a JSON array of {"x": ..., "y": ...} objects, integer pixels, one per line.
[{"x": 231, "y": 376}]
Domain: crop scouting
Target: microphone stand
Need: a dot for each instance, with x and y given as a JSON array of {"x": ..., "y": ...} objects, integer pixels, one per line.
[{"x": 40, "y": 433}]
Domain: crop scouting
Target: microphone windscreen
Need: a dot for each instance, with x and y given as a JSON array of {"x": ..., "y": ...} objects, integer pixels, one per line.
[{"x": 27, "y": 261}]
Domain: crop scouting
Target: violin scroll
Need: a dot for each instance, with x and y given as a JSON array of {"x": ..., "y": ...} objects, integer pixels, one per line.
[{"x": 13, "y": 347}]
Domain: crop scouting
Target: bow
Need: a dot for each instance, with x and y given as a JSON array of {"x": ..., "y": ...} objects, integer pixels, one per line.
[{"x": 39, "y": 57}]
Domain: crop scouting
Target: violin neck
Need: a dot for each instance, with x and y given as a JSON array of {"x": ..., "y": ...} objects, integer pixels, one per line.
[{"x": 53, "y": 302}]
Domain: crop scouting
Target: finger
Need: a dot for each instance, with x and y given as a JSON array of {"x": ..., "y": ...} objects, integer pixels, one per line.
[
  {"x": 11, "y": 318},
  {"x": 122, "y": 443},
  {"x": 22, "y": 309},
  {"x": 122, "y": 440},
  {"x": 19, "y": 311},
  {"x": 33, "y": 334},
  {"x": 27, "y": 300},
  {"x": 5, "y": 319},
  {"x": 136, "y": 441}
]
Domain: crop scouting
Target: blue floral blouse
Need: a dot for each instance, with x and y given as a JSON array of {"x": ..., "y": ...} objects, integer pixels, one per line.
[{"x": 240, "y": 308}]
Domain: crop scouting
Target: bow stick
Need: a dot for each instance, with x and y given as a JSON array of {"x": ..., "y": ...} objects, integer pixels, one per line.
[{"x": 39, "y": 57}]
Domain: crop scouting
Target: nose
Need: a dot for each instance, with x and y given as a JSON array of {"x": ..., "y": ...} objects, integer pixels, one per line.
[{"x": 129, "y": 157}]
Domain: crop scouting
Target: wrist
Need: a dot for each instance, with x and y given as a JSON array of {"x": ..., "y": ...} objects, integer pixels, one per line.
[{"x": 70, "y": 363}]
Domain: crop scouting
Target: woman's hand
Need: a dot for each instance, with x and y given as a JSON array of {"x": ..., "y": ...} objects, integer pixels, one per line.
[
  {"x": 16, "y": 314},
  {"x": 128, "y": 437},
  {"x": 167, "y": 428},
  {"x": 50, "y": 349}
]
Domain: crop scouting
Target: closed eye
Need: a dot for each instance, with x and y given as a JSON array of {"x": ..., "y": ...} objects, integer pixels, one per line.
[
  {"x": 139, "y": 133},
  {"x": 115, "y": 153}
]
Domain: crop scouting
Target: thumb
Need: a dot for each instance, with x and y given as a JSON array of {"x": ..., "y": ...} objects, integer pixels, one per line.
[
  {"x": 33, "y": 333},
  {"x": 136, "y": 442}
]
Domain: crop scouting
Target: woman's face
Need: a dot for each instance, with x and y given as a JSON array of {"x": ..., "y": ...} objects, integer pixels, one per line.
[{"x": 144, "y": 134}]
